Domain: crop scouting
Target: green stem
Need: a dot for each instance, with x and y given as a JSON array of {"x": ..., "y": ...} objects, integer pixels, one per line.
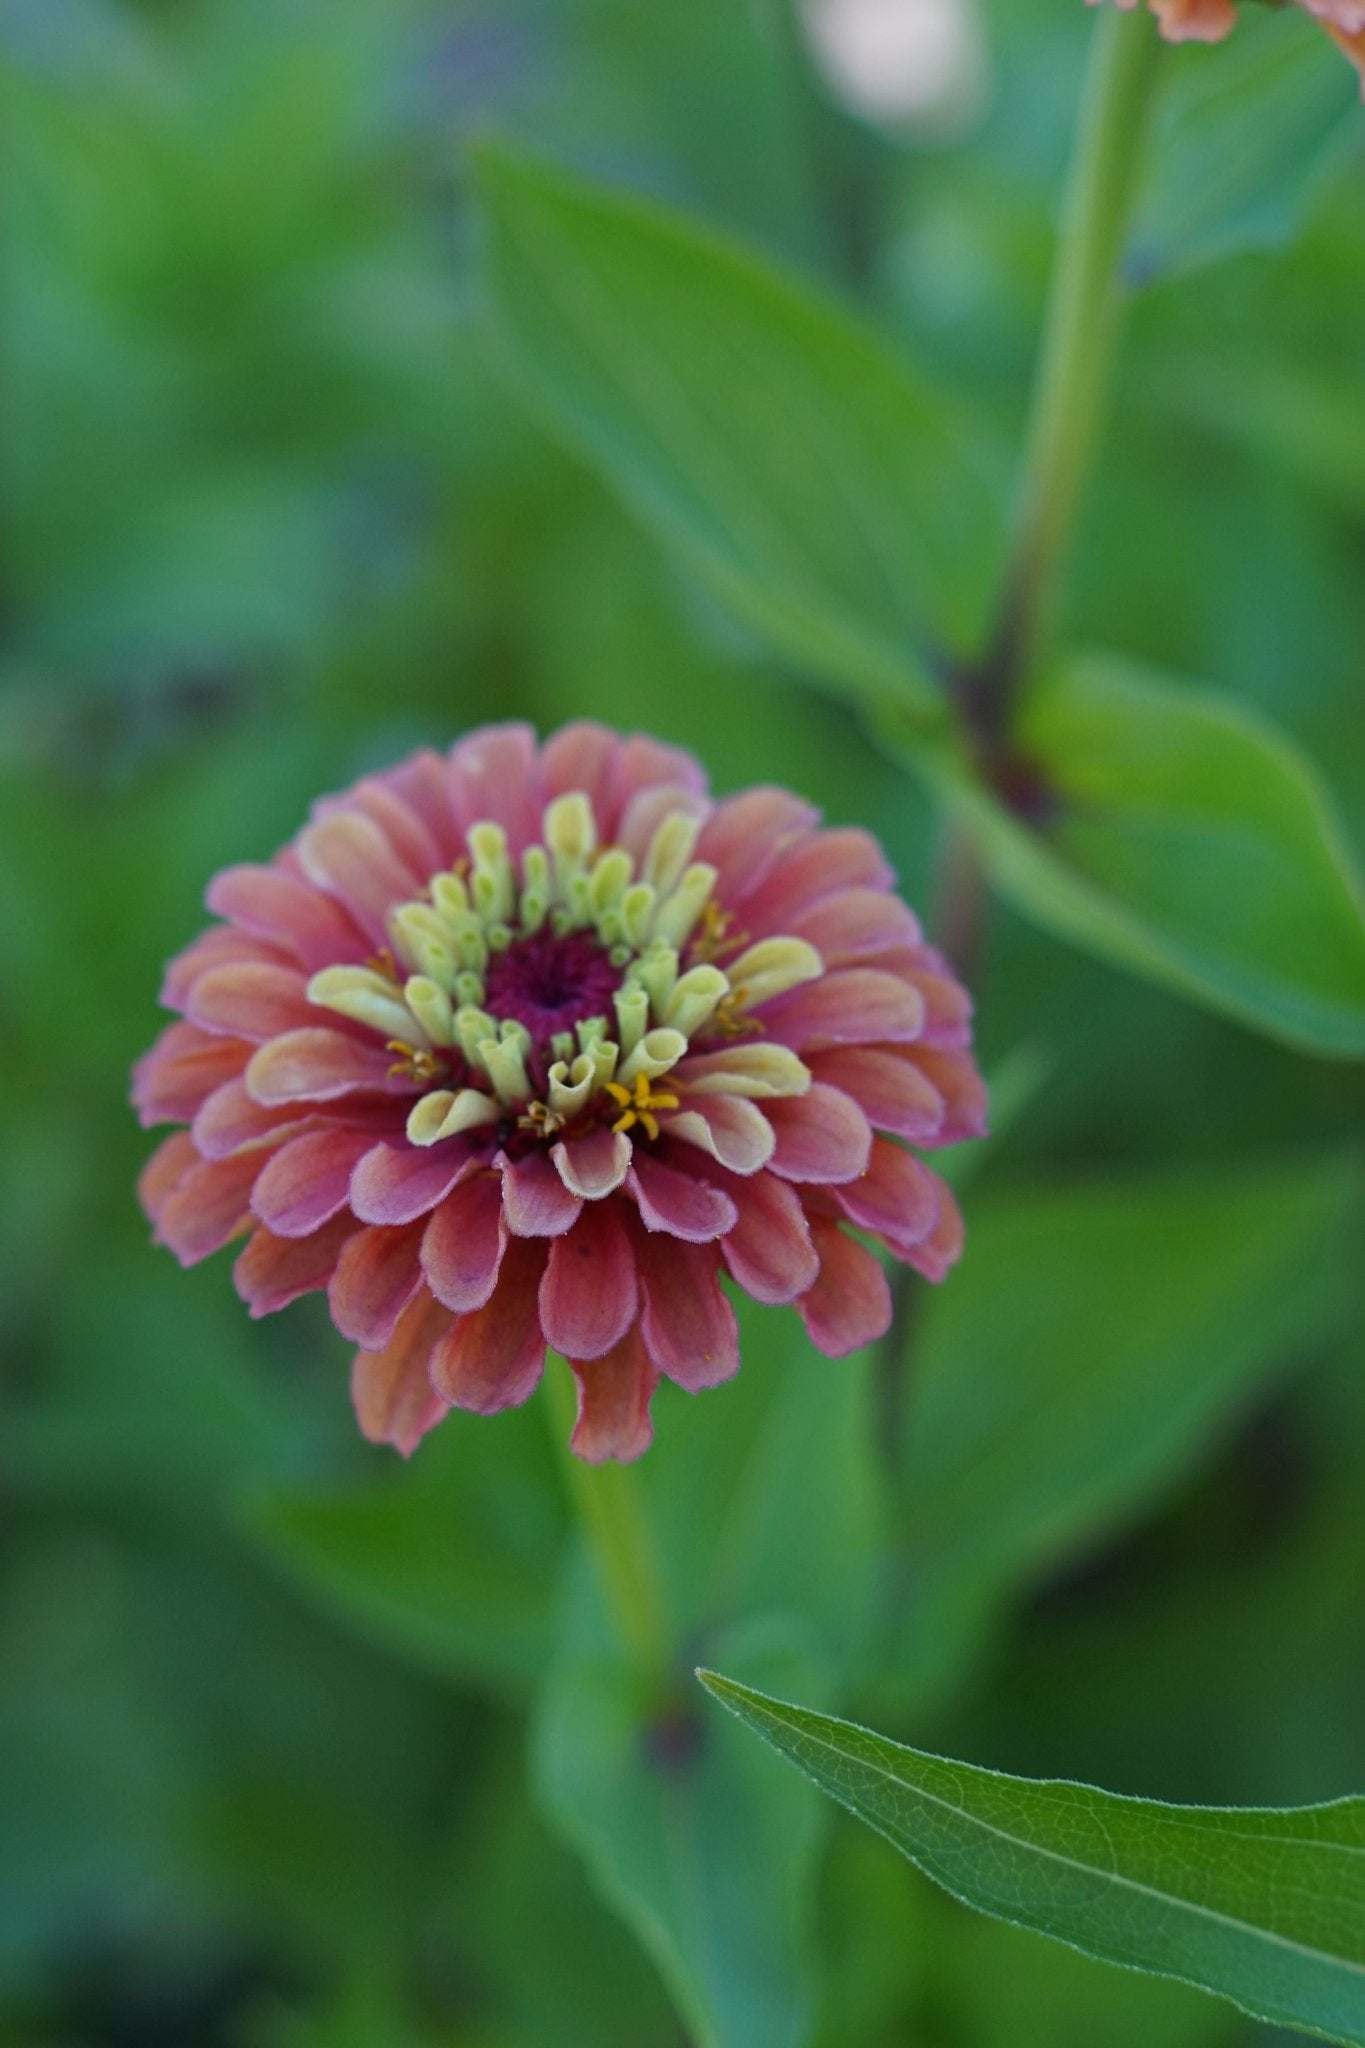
[
  {"x": 612, "y": 1517},
  {"x": 1079, "y": 333}
]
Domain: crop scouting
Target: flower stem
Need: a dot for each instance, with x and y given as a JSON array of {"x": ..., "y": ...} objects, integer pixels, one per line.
[
  {"x": 611, "y": 1515},
  {"x": 1079, "y": 332}
]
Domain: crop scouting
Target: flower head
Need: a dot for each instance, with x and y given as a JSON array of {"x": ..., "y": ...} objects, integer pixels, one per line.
[
  {"x": 1208, "y": 21},
  {"x": 523, "y": 1047}
]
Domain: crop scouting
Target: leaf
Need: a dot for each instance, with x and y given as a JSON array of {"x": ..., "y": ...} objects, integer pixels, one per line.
[
  {"x": 1100, "y": 1333},
  {"x": 1244, "y": 145},
  {"x": 1100, "y": 1336},
  {"x": 1190, "y": 842},
  {"x": 1261, "y": 1905},
  {"x": 796, "y": 465},
  {"x": 450, "y": 1560}
]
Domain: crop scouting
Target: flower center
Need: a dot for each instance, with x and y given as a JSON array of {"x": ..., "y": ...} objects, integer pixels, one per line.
[
  {"x": 550, "y": 984},
  {"x": 557, "y": 991}
]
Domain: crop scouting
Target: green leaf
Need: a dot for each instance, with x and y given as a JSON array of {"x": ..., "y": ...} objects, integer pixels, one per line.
[
  {"x": 1099, "y": 1338},
  {"x": 450, "y": 1561},
  {"x": 796, "y": 465},
  {"x": 1244, "y": 145},
  {"x": 1264, "y": 1906},
  {"x": 1191, "y": 842}
]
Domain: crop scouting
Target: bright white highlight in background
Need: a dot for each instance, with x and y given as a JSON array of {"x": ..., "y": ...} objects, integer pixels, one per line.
[{"x": 901, "y": 63}]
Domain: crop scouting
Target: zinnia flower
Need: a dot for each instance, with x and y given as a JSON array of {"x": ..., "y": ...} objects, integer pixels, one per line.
[
  {"x": 1208, "y": 21},
  {"x": 525, "y": 1046}
]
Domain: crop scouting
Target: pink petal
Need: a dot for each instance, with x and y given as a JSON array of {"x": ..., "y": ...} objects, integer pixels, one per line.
[
  {"x": 493, "y": 774},
  {"x": 821, "y": 1135},
  {"x": 850, "y": 1304},
  {"x": 688, "y": 1326},
  {"x": 890, "y": 1088},
  {"x": 952, "y": 1071},
  {"x": 747, "y": 835},
  {"x": 590, "y": 1293},
  {"x": 614, "y": 1393},
  {"x": 164, "y": 1171},
  {"x": 947, "y": 1005},
  {"x": 391, "y": 1389},
  {"x": 769, "y": 1251},
  {"x": 398, "y": 1183},
  {"x": 207, "y": 1206},
  {"x": 229, "y": 1118},
  {"x": 645, "y": 763},
  {"x": 464, "y": 1243},
  {"x": 676, "y": 1204},
  {"x": 404, "y": 829},
  {"x": 897, "y": 1199},
  {"x": 823, "y": 864},
  {"x": 273, "y": 1271},
  {"x": 492, "y": 1358},
  {"x": 376, "y": 1276},
  {"x": 730, "y": 1127},
  {"x": 219, "y": 946},
  {"x": 423, "y": 783},
  {"x": 303, "y": 1184},
  {"x": 348, "y": 856},
  {"x": 646, "y": 811},
  {"x": 319, "y": 1065},
  {"x": 851, "y": 1006},
  {"x": 852, "y": 923},
  {"x": 251, "y": 1000},
  {"x": 594, "y": 1165},
  {"x": 535, "y": 1199},
  {"x": 583, "y": 756},
  {"x": 282, "y": 907},
  {"x": 942, "y": 1248},
  {"x": 174, "y": 1079}
]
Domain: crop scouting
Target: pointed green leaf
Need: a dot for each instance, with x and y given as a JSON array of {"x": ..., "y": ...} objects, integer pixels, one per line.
[
  {"x": 1192, "y": 842},
  {"x": 795, "y": 464},
  {"x": 1263, "y": 1906}
]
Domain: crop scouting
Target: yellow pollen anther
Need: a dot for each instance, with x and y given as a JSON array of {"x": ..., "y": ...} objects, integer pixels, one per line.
[
  {"x": 726, "y": 1017},
  {"x": 384, "y": 963},
  {"x": 540, "y": 1120},
  {"x": 638, "y": 1105},
  {"x": 714, "y": 936},
  {"x": 414, "y": 1062}
]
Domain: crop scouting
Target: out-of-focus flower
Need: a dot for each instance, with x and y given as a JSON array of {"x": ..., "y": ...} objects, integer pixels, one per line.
[
  {"x": 524, "y": 1046},
  {"x": 1208, "y": 21}
]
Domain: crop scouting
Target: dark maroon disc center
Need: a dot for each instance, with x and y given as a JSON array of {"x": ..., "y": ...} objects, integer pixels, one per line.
[{"x": 549, "y": 983}]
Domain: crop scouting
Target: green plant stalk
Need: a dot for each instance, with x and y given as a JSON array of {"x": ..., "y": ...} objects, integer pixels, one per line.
[
  {"x": 1080, "y": 329},
  {"x": 611, "y": 1514}
]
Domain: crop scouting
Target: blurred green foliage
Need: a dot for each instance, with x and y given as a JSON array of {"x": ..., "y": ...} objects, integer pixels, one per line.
[{"x": 270, "y": 512}]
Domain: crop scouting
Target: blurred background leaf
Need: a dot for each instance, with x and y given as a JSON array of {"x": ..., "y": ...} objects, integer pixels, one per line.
[
  {"x": 793, "y": 464},
  {"x": 1120, "y": 1327},
  {"x": 1243, "y": 147},
  {"x": 1185, "y": 838}
]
